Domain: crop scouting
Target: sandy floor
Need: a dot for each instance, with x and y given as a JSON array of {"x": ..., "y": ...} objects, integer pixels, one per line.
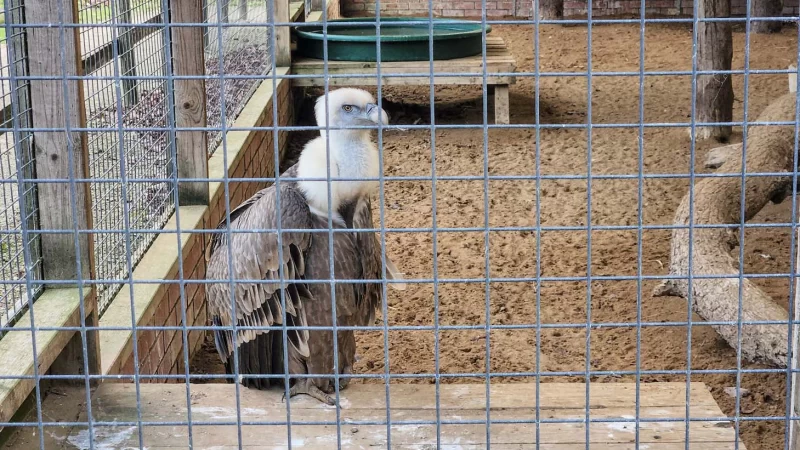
[{"x": 564, "y": 203}]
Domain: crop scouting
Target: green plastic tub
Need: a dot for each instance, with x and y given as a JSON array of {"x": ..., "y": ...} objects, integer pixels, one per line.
[{"x": 399, "y": 42}]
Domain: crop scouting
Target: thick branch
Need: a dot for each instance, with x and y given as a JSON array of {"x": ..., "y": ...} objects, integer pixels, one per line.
[{"x": 717, "y": 202}]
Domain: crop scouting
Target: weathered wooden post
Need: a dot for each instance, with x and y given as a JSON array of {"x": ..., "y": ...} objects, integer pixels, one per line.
[
  {"x": 243, "y": 10},
  {"x": 714, "y": 52},
  {"x": 282, "y": 50},
  {"x": 188, "y": 59},
  {"x": 62, "y": 155},
  {"x": 127, "y": 54}
]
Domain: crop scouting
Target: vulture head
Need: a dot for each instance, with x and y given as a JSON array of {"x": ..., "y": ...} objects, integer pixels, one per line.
[{"x": 349, "y": 107}]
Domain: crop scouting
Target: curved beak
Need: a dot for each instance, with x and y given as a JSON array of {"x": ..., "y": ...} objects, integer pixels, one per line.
[{"x": 375, "y": 114}]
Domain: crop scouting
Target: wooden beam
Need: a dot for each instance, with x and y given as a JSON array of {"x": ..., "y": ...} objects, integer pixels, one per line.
[
  {"x": 62, "y": 155},
  {"x": 283, "y": 51},
  {"x": 59, "y": 154},
  {"x": 190, "y": 101},
  {"x": 462, "y": 407},
  {"x": 243, "y": 10},
  {"x": 127, "y": 55},
  {"x": 501, "y": 105},
  {"x": 56, "y": 308}
]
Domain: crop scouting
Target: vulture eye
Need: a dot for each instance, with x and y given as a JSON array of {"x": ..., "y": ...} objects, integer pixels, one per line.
[{"x": 347, "y": 108}]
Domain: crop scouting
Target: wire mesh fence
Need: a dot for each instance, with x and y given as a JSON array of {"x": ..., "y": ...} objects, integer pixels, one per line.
[
  {"x": 19, "y": 208},
  {"x": 530, "y": 247},
  {"x": 111, "y": 51},
  {"x": 233, "y": 50},
  {"x": 141, "y": 102}
]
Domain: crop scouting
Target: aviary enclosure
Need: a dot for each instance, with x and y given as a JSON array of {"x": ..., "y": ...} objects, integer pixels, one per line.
[{"x": 550, "y": 196}]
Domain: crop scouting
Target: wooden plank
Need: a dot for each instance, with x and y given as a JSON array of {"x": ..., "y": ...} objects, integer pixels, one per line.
[
  {"x": 501, "y": 104},
  {"x": 296, "y": 10},
  {"x": 470, "y": 61},
  {"x": 55, "y": 308},
  {"x": 465, "y": 68},
  {"x": 243, "y": 10},
  {"x": 459, "y": 403},
  {"x": 283, "y": 52},
  {"x": 62, "y": 155},
  {"x": 59, "y": 155},
  {"x": 127, "y": 55},
  {"x": 190, "y": 101},
  {"x": 400, "y": 81},
  {"x": 498, "y": 60}
]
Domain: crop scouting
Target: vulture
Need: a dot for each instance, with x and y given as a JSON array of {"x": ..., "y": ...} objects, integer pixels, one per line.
[{"x": 258, "y": 259}]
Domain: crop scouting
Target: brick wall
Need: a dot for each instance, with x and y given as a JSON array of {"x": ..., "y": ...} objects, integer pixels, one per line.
[
  {"x": 161, "y": 351},
  {"x": 500, "y": 8}
]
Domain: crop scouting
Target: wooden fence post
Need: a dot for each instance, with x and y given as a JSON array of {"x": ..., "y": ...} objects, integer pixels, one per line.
[
  {"x": 127, "y": 55},
  {"x": 243, "y": 10},
  {"x": 282, "y": 50},
  {"x": 53, "y": 106},
  {"x": 188, "y": 59}
]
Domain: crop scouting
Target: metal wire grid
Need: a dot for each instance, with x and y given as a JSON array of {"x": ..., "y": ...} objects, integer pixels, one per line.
[
  {"x": 108, "y": 53},
  {"x": 19, "y": 207},
  {"x": 537, "y": 279},
  {"x": 244, "y": 50}
]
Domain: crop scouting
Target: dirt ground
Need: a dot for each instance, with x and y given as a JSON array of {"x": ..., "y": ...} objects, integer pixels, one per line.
[{"x": 564, "y": 202}]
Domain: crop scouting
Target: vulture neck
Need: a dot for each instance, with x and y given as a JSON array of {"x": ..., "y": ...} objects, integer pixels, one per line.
[{"x": 352, "y": 155}]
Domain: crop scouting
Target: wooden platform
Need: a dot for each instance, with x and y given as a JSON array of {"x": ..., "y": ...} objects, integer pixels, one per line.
[
  {"x": 498, "y": 60},
  {"x": 215, "y": 404}
]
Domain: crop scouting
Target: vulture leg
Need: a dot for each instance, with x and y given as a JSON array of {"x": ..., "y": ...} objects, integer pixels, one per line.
[
  {"x": 343, "y": 382},
  {"x": 306, "y": 386}
]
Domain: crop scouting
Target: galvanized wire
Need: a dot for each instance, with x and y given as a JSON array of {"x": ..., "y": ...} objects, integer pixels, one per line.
[
  {"x": 113, "y": 104},
  {"x": 119, "y": 94},
  {"x": 19, "y": 208},
  {"x": 244, "y": 50}
]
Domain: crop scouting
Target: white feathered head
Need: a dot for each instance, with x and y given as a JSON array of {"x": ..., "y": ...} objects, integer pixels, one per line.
[{"x": 349, "y": 107}]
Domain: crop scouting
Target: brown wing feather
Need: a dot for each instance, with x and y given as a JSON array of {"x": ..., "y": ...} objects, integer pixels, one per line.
[
  {"x": 370, "y": 258},
  {"x": 255, "y": 257}
]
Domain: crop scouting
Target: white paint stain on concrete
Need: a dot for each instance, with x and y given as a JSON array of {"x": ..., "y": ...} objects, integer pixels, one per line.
[
  {"x": 105, "y": 438},
  {"x": 220, "y": 413}
]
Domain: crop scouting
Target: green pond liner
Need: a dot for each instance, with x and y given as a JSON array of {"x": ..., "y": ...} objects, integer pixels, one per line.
[{"x": 355, "y": 41}]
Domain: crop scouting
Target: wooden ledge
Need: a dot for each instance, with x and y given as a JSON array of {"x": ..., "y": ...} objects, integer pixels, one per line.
[
  {"x": 55, "y": 308},
  {"x": 296, "y": 10},
  {"x": 215, "y": 405}
]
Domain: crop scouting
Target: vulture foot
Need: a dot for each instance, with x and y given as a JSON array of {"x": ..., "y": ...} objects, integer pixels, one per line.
[
  {"x": 343, "y": 382},
  {"x": 306, "y": 387}
]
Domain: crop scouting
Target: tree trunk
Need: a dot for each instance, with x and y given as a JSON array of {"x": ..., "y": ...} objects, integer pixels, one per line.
[
  {"x": 766, "y": 8},
  {"x": 714, "y": 52},
  {"x": 717, "y": 202},
  {"x": 551, "y": 9}
]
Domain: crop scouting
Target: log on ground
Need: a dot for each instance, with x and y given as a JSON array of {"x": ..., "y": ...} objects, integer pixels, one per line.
[{"x": 717, "y": 201}]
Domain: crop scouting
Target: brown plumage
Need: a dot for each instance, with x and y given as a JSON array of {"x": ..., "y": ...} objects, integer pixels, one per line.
[{"x": 305, "y": 256}]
